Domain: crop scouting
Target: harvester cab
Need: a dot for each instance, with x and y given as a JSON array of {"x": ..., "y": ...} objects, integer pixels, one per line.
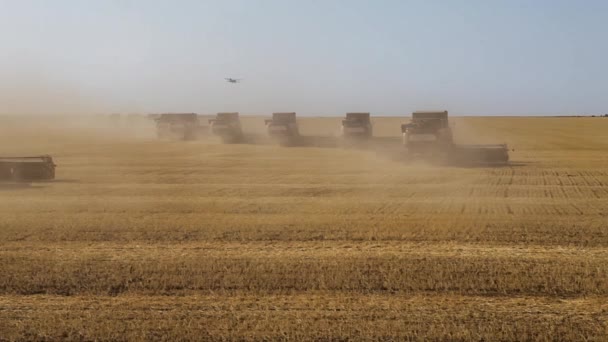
[
  {"x": 357, "y": 126},
  {"x": 427, "y": 132},
  {"x": 429, "y": 135},
  {"x": 283, "y": 126},
  {"x": 182, "y": 126},
  {"x": 227, "y": 126},
  {"x": 20, "y": 169}
]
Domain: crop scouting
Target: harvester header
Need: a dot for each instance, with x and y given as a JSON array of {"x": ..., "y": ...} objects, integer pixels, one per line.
[{"x": 27, "y": 168}]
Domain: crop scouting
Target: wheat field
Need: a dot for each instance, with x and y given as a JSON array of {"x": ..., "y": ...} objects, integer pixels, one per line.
[{"x": 140, "y": 239}]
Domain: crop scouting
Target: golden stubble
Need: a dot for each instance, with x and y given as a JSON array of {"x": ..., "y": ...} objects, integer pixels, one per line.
[{"x": 144, "y": 239}]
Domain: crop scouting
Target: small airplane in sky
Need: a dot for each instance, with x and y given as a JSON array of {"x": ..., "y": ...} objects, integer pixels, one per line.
[{"x": 233, "y": 80}]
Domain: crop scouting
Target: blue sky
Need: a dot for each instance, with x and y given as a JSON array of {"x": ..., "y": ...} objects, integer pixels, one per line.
[{"x": 313, "y": 57}]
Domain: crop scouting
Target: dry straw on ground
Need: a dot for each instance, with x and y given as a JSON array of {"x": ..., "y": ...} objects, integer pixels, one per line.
[{"x": 144, "y": 239}]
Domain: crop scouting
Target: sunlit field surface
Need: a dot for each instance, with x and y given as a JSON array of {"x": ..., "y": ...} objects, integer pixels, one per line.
[{"x": 145, "y": 239}]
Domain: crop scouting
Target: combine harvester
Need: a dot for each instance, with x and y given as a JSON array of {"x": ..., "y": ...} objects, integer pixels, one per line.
[
  {"x": 429, "y": 136},
  {"x": 228, "y": 127},
  {"x": 18, "y": 169},
  {"x": 284, "y": 128},
  {"x": 180, "y": 126},
  {"x": 356, "y": 126}
]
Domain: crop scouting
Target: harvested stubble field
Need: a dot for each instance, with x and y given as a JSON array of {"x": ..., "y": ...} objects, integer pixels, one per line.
[{"x": 143, "y": 239}]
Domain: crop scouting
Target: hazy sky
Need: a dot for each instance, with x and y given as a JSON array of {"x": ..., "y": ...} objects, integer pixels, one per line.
[{"x": 313, "y": 57}]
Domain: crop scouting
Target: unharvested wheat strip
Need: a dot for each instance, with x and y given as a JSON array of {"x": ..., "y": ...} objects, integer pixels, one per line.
[
  {"x": 122, "y": 251},
  {"x": 310, "y": 316},
  {"x": 305, "y": 202},
  {"x": 179, "y": 226},
  {"x": 300, "y": 267}
]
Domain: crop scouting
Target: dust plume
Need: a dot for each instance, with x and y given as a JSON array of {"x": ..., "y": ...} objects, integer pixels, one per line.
[{"x": 36, "y": 91}]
